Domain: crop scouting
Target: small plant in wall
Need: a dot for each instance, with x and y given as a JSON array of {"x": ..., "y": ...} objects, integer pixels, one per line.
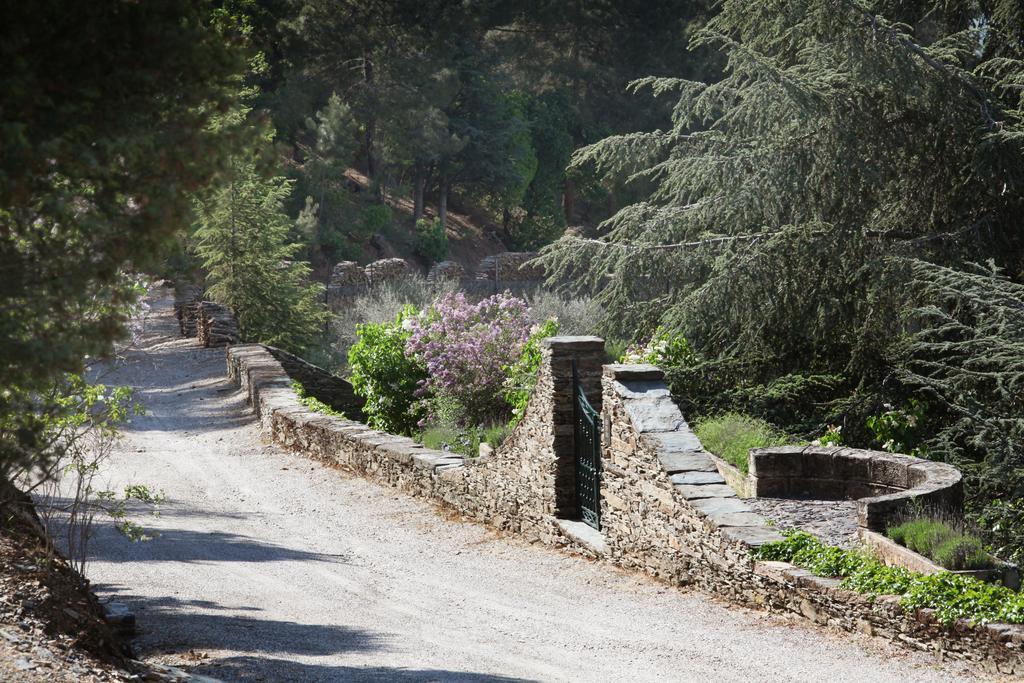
[
  {"x": 664, "y": 349},
  {"x": 313, "y": 403},
  {"x": 522, "y": 375},
  {"x": 898, "y": 429}
]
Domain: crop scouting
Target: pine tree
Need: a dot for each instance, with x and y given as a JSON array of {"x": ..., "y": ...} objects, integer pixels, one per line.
[
  {"x": 784, "y": 197},
  {"x": 242, "y": 238}
]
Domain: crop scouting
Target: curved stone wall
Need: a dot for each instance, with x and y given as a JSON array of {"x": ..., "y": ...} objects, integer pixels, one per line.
[{"x": 884, "y": 484}]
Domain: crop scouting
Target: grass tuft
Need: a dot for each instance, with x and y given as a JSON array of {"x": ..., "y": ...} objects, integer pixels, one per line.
[{"x": 731, "y": 435}]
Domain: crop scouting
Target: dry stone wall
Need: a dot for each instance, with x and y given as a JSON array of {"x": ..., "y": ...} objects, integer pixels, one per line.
[{"x": 665, "y": 509}]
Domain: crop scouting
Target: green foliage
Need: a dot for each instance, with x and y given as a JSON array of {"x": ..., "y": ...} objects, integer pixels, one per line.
[
  {"x": 521, "y": 376},
  {"x": 385, "y": 376},
  {"x": 664, "y": 349},
  {"x": 431, "y": 240},
  {"x": 1002, "y": 522},
  {"x": 952, "y": 596},
  {"x": 942, "y": 543},
  {"x": 241, "y": 236},
  {"x": 731, "y": 435},
  {"x": 103, "y": 138},
  {"x": 967, "y": 359},
  {"x": 377, "y": 219},
  {"x": 312, "y": 402},
  {"x": 897, "y": 430},
  {"x": 833, "y": 436}
]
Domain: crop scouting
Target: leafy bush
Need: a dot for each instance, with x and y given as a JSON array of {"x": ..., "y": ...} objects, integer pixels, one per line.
[
  {"x": 952, "y": 596},
  {"x": 377, "y": 219},
  {"x": 382, "y": 302},
  {"x": 431, "y": 240},
  {"x": 385, "y": 376},
  {"x": 732, "y": 435},
  {"x": 898, "y": 430},
  {"x": 664, "y": 349},
  {"x": 522, "y": 375},
  {"x": 466, "y": 347},
  {"x": 312, "y": 402},
  {"x": 942, "y": 543}
]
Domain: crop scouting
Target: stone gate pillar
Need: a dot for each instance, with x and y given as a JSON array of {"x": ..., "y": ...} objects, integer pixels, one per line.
[{"x": 558, "y": 354}]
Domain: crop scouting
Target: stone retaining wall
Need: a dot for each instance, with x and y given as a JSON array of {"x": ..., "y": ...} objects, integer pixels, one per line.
[
  {"x": 335, "y": 391},
  {"x": 665, "y": 509}
]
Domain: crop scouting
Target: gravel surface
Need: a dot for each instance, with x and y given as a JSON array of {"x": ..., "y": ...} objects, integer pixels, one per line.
[
  {"x": 272, "y": 567},
  {"x": 834, "y": 522}
]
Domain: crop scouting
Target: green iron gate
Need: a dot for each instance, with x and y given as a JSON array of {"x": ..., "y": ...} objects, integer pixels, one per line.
[{"x": 587, "y": 445}]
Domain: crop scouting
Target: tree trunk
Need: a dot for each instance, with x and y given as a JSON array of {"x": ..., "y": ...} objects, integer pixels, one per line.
[
  {"x": 442, "y": 204},
  {"x": 419, "y": 186},
  {"x": 569, "y": 201},
  {"x": 370, "y": 137}
]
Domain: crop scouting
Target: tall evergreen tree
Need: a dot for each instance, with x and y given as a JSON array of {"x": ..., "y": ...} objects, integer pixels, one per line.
[
  {"x": 103, "y": 129},
  {"x": 242, "y": 239}
]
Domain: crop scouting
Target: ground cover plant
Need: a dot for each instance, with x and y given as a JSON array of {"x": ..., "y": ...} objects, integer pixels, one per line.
[
  {"x": 730, "y": 436},
  {"x": 952, "y": 596},
  {"x": 312, "y": 402},
  {"x": 942, "y": 542}
]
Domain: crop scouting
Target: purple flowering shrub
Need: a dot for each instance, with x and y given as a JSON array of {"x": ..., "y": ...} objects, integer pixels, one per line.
[{"x": 466, "y": 348}]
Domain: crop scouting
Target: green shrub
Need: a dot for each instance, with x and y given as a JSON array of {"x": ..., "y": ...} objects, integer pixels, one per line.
[
  {"x": 386, "y": 377},
  {"x": 431, "y": 240},
  {"x": 942, "y": 543},
  {"x": 665, "y": 349},
  {"x": 731, "y": 435},
  {"x": 521, "y": 376},
  {"x": 313, "y": 403},
  {"x": 952, "y": 596},
  {"x": 377, "y": 219}
]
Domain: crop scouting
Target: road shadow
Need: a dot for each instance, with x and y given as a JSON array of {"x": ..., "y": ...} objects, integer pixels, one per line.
[
  {"x": 168, "y": 625},
  {"x": 264, "y": 669},
  {"x": 186, "y": 545}
]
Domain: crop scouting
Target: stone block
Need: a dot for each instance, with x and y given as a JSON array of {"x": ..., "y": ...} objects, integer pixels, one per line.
[
  {"x": 889, "y": 469},
  {"x": 775, "y": 463},
  {"x": 771, "y": 488},
  {"x": 705, "y": 491},
  {"x": 710, "y": 506},
  {"x": 852, "y": 466},
  {"x": 823, "y": 489},
  {"x": 698, "y": 478},
  {"x": 737, "y": 519},
  {"x": 623, "y": 372},
  {"x": 679, "y": 441},
  {"x": 753, "y": 536},
  {"x": 566, "y": 344},
  {"x": 686, "y": 462},
  {"x": 655, "y": 414}
]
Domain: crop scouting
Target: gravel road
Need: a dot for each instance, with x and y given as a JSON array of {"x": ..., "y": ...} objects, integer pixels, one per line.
[{"x": 270, "y": 567}]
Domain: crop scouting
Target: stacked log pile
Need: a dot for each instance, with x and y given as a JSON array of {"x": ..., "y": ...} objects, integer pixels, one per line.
[
  {"x": 446, "y": 271},
  {"x": 387, "y": 270},
  {"x": 216, "y": 326},
  {"x": 187, "y": 298}
]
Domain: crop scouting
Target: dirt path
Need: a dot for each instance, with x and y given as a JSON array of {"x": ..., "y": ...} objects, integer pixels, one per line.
[{"x": 271, "y": 567}]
